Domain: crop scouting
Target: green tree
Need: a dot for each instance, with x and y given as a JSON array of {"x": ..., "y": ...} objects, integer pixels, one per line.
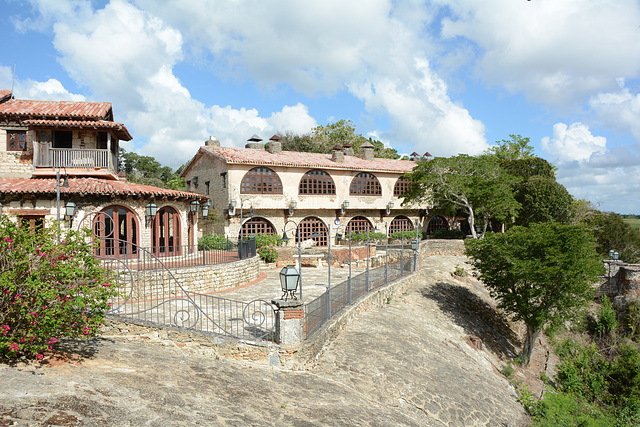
[
  {"x": 147, "y": 170},
  {"x": 322, "y": 139},
  {"x": 543, "y": 199},
  {"x": 612, "y": 232},
  {"x": 517, "y": 147},
  {"x": 538, "y": 274},
  {"x": 477, "y": 185}
]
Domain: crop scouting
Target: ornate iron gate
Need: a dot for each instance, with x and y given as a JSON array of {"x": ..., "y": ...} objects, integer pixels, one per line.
[{"x": 149, "y": 292}]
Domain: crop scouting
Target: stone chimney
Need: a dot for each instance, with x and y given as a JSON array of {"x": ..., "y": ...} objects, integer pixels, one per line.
[
  {"x": 414, "y": 157},
  {"x": 212, "y": 142},
  {"x": 254, "y": 142},
  {"x": 348, "y": 149},
  {"x": 337, "y": 155},
  {"x": 275, "y": 145},
  {"x": 366, "y": 151}
]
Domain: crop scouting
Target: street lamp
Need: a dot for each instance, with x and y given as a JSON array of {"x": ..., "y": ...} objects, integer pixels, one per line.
[
  {"x": 205, "y": 208},
  {"x": 65, "y": 184},
  {"x": 251, "y": 210},
  {"x": 194, "y": 206},
  {"x": 613, "y": 255},
  {"x": 286, "y": 239},
  {"x": 289, "y": 279}
]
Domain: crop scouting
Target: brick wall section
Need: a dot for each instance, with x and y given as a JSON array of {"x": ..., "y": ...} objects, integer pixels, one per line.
[{"x": 630, "y": 280}]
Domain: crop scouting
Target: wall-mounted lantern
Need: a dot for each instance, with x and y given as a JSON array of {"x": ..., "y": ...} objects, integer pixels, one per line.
[
  {"x": 194, "y": 206},
  {"x": 232, "y": 208},
  {"x": 389, "y": 207},
  {"x": 70, "y": 209},
  {"x": 345, "y": 205},
  {"x": 151, "y": 210},
  {"x": 292, "y": 206},
  {"x": 205, "y": 208}
]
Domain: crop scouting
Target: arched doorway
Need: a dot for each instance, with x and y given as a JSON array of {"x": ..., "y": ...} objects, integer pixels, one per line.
[
  {"x": 165, "y": 235},
  {"x": 117, "y": 229},
  {"x": 359, "y": 224},
  {"x": 400, "y": 223},
  {"x": 309, "y": 226},
  {"x": 256, "y": 226},
  {"x": 437, "y": 223}
]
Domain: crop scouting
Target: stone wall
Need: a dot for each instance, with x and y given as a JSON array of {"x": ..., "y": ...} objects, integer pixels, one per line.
[
  {"x": 431, "y": 247},
  {"x": 630, "y": 280}
]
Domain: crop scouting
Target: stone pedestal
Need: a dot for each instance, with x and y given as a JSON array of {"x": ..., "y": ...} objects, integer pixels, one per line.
[{"x": 289, "y": 322}]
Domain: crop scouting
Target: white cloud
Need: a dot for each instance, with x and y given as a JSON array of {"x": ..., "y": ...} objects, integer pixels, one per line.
[
  {"x": 573, "y": 143},
  {"x": 618, "y": 110},
  {"x": 51, "y": 90},
  {"x": 555, "y": 52}
]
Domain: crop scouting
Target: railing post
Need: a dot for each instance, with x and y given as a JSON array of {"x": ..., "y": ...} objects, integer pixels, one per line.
[
  {"x": 386, "y": 255},
  {"x": 368, "y": 254},
  {"x": 402, "y": 250},
  {"x": 349, "y": 278}
]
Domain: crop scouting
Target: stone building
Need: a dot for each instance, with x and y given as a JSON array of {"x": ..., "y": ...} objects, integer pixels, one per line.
[
  {"x": 56, "y": 155},
  {"x": 260, "y": 189}
]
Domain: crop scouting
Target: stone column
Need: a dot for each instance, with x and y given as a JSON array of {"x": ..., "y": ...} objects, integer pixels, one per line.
[{"x": 289, "y": 322}]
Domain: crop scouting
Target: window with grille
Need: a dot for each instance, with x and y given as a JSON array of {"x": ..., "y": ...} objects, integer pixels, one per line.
[
  {"x": 309, "y": 226},
  {"x": 365, "y": 184},
  {"x": 400, "y": 223},
  {"x": 256, "y": 226},
  {"x": 437, "y": 223},
  {"x": 359, "y": 224},
  {"x": 402, "y": 185},
  {"x": 16, "y": 140},
  {"x": 261, "y": 180},
  {"x": 316, "y": 182}
]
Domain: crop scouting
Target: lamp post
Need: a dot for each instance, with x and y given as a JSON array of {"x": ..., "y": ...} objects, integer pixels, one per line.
[
  {"x": 613, "y": 255},
  {"x": 65, "y": 184},
  {"x": 241, "y": 205},
  {"x": 286, "y": 239},
  {"x": 289, "y": 279}
]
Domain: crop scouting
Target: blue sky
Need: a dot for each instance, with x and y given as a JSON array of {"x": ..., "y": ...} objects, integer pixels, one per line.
[{"x": 446, "y": 77}]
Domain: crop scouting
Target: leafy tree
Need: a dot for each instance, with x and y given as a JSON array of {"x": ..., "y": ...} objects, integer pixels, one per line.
[
  {"x": 612, "y": 232},
  {"x": 543, "y": 199},
  {"x": 147, "y": 170},
  {"x": 322, "y": 139},
  {"x": 50, "y": 288},
  {"x": 477, "y": 185},
  {"x": 516, "y": 148},
  {"x": 539, "y": 274}
]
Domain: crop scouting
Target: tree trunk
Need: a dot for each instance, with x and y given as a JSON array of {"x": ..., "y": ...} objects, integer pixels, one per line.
[{"x": 529, "y": 344}]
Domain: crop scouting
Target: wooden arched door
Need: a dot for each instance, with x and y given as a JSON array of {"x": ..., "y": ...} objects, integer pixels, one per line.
[
  {"x": 165, "y": 235},
  {"x": 117, "y": 229}
]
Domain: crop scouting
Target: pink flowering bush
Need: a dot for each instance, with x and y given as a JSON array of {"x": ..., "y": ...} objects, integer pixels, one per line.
[{"x": 48, "y": 289}]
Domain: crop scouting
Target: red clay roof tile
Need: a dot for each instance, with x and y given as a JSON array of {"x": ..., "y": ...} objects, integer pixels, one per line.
[
  {"x": 299, "y": 159},
  {"x": 89, "y": 187},
  {"x": 56, "y": 109},
  {"x": 121, "y": 130}
]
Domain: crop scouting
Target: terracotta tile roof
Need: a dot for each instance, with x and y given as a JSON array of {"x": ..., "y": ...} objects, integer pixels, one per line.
[
  {"x": 252, "y": 156},
  {"x": 5, "y": 94},
  {"x": 56, "y": 109},
  {"x": 89, "y": 187},
  {"x": 119, "y": 129}
]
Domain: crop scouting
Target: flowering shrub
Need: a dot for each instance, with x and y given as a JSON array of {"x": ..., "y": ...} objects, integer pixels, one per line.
[{"x": 48, "y": 289}]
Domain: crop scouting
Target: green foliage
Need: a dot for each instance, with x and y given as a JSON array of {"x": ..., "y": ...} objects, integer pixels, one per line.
[
  {"x": 51, "y": 288},
  {"x": 507, "y": 370},
  {"x": 406, "y": 235},
  {"x": 632, "y": 318},
  {"x": 268, "y": 253},
  {"x": 538, "y": 273},
  {"x": 214, "y": 241},
  {"x": 460, "y": 271},
  {"x": 477, "y": 185},
  {"x": 516, "y": 148},
  {"x": 612, "y": 232},
  {"x": 583, "y": 370},
  {"x": 543, "y": 199},
  {"x": 147, "y": 170},
  {"x": 322, "y": 139},
  {"x": 563, "y": 409},
  {"x": 362, "y": 237},
  {"x": 607, "y": 318}
]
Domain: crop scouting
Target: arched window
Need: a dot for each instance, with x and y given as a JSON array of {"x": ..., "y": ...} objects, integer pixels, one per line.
[
  {"x": 400, "y": 223},
  {"x": 316, "y": 182},
  {"x": 261, "y": 180},
  {"x": 165, "y": 233},
  {"x": 312, "y": 225},
  {"x": 359, "y": 224},
  {"x": 256, "y": 226},
  {"x": 365, "y": 184},
  {"x": 117, "y": 229},
  {"x": 437, "y": 223},
  {"x": 402, "y": 185}
]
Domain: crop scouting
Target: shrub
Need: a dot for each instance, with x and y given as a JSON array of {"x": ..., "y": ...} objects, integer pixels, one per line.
[
  {"x": 607, "y": 321},
  {"x": 268, "y": 253},
  {"x": 214, "y": 241},
  {"x": 460, "y": 271},
  {"x": 362, "y": 237},
  {"x": 49, "y": 289},
  {"x": 407, "y": 235}
]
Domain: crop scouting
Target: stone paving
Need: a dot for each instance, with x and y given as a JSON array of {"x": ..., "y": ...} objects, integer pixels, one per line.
[{"x": 408, "y": 363}]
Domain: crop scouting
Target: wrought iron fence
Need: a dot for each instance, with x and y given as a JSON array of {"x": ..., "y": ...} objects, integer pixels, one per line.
[
  {"x": 321, "y": 309},
  {"x": 175, "y": 256}
]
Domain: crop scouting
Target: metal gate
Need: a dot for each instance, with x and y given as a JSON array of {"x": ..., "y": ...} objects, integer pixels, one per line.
[{"x": 149, "y": 292}]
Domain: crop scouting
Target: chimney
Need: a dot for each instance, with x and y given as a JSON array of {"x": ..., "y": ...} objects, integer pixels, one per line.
[
  {"x": 366, "y": 151},
  {"x": 275, "y": 146},
  {"x": 348, "y": 149},
  {"x": 337, "y": 155},
  {"x": 254, "y": 142},
  {"x": 212, "y": 142},
  {"x": 414, "y": 157}
]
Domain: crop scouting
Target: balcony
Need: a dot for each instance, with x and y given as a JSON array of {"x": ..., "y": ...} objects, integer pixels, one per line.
[{"x": 76, "y": 161}]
